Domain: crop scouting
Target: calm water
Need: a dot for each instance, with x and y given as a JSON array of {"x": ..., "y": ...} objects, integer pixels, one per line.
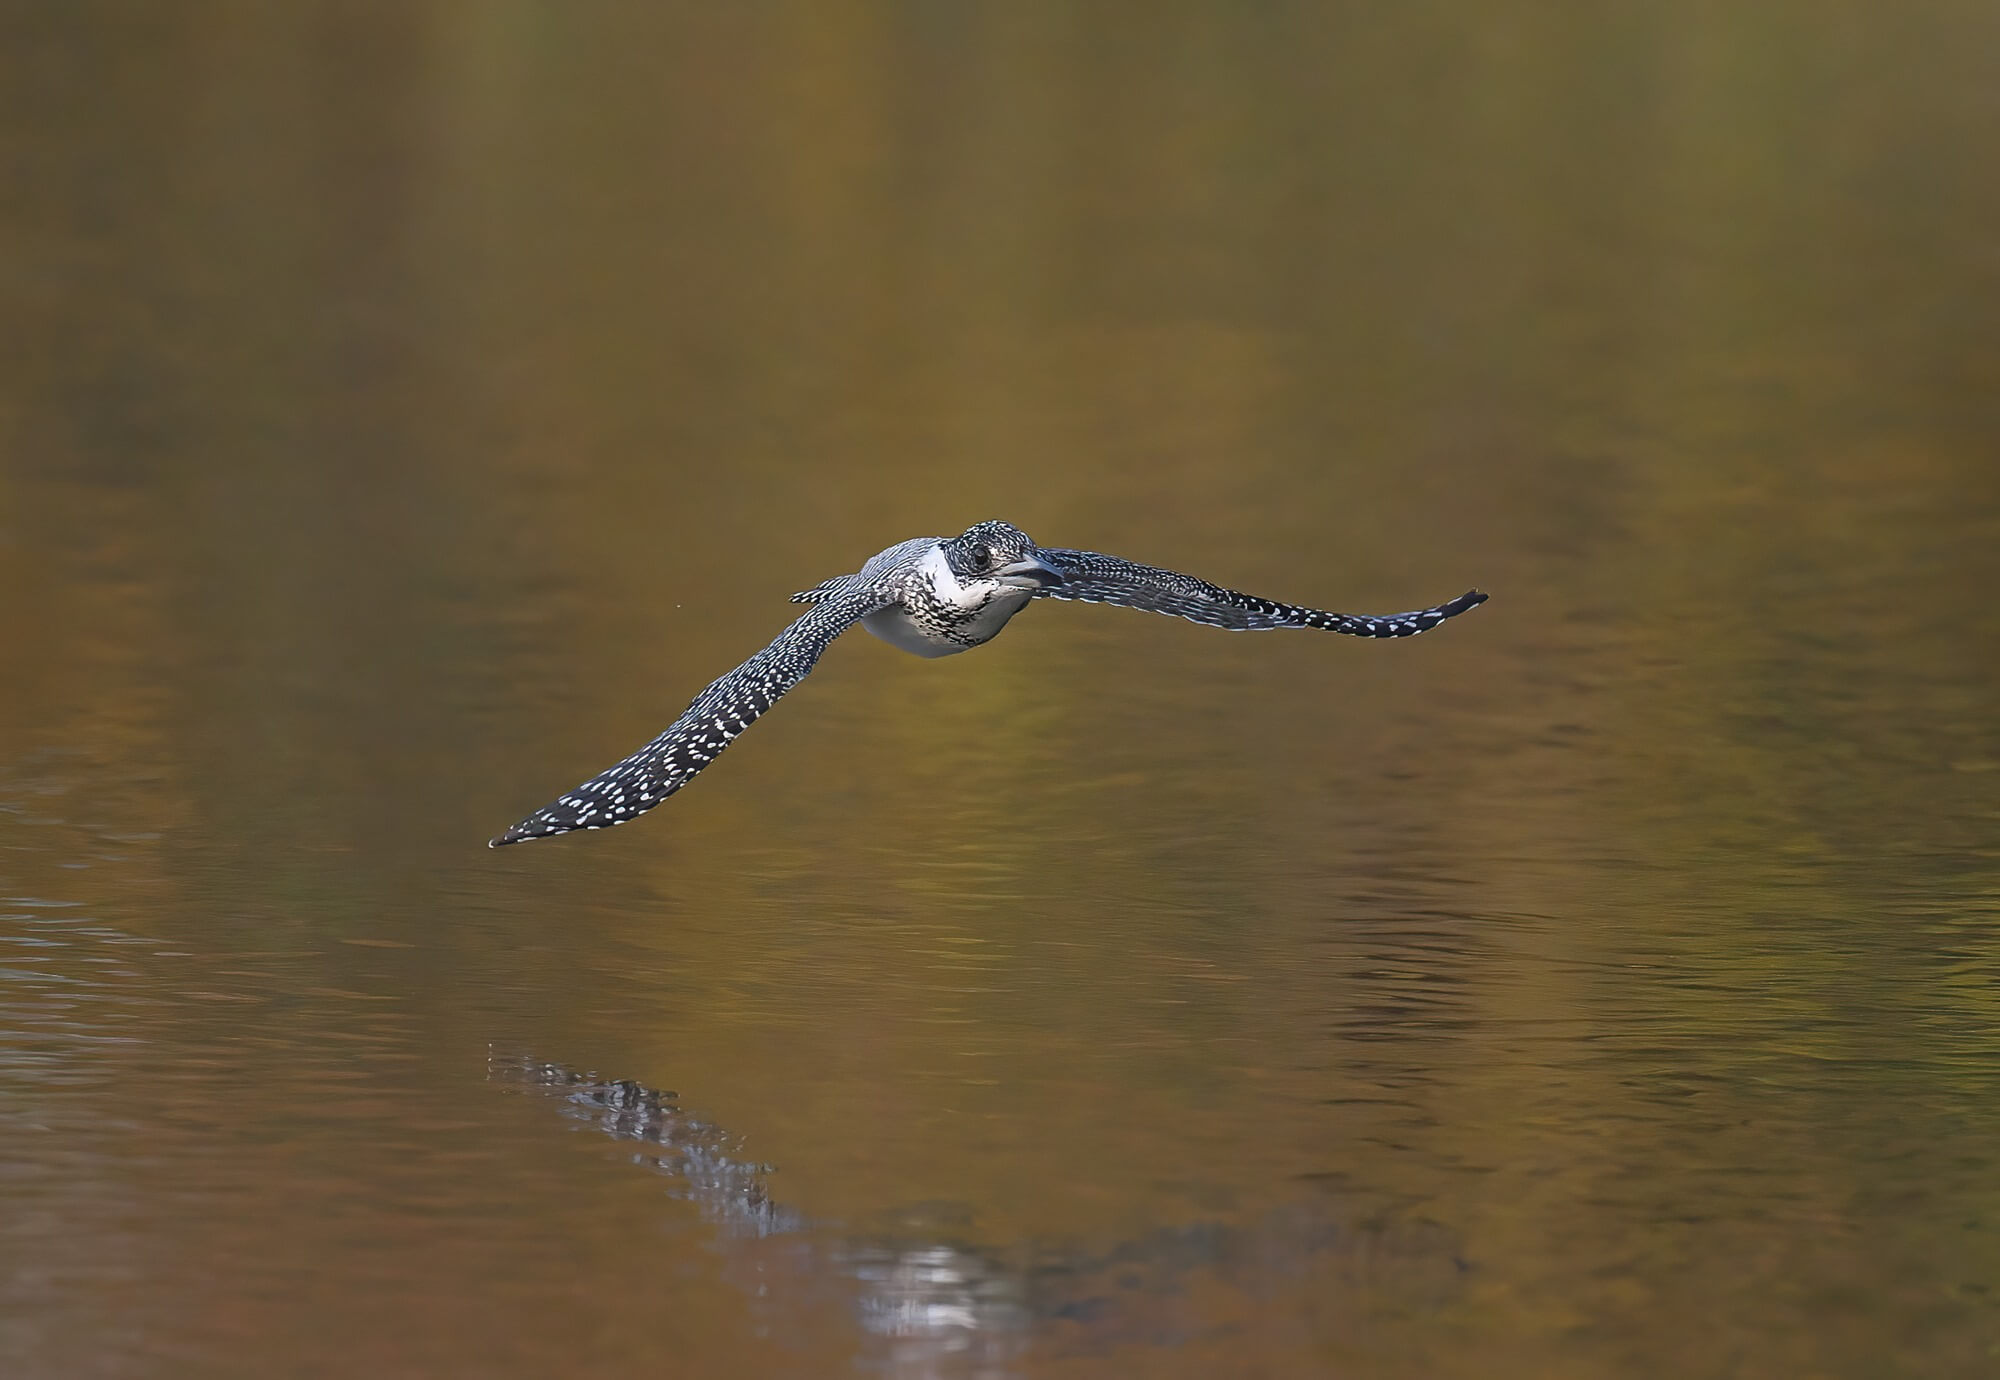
[{"x": 407, "y": 407}]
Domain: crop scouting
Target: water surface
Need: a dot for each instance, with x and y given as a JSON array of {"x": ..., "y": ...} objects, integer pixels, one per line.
[{"x": 408, "y": 407}]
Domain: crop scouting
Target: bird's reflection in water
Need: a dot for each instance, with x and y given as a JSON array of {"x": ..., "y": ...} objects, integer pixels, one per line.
[{"x": 940, "y": 1309}]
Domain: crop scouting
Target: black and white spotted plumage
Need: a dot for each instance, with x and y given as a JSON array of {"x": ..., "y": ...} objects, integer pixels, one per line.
[
  {"x": 1097, "y": 579},
  {"x": 932, "y": 596},
  {"x": 719, "y": 713}
]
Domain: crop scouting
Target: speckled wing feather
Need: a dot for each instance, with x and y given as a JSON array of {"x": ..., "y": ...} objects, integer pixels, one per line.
[
  {"x": 711, "y": 723},
  {"x": 1098, "y": 579}
]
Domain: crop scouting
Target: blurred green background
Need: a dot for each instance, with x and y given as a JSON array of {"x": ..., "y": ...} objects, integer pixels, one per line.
[{"x": 406, "y": 407}]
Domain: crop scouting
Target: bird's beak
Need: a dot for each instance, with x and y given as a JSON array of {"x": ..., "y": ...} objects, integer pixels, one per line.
[{"x": 1028, "y": 574}]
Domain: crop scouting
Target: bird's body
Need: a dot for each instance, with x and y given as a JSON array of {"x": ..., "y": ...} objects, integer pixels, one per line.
[
  {"x": 932, "y": 596},
  {"x": 936, "y": 613}
]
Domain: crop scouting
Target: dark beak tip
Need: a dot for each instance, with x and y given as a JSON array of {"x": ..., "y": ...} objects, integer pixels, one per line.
[{"x": 1031, "y": 573}]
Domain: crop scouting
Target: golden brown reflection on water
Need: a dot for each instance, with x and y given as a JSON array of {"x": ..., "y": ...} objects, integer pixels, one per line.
[{"x": 408, "y": 407}]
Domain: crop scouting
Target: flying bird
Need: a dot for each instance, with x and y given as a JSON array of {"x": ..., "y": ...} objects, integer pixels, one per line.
[{"x": 934, "y": 596}]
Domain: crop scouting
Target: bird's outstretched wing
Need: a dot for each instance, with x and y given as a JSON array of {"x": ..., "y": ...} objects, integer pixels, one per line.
[
  {"x": 709, "y": 725},
  {"x": 1098, "y": 579}
]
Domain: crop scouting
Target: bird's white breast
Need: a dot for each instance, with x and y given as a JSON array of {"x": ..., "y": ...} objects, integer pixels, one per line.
[
  {"x": 897, "y": 629},
  {"x": 980, "y": 610}
]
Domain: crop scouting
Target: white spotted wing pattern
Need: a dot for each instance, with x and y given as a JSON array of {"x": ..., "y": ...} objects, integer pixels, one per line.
[
  {"x": 1090, "y": 577},
  {"x": 718, "y": 714}
]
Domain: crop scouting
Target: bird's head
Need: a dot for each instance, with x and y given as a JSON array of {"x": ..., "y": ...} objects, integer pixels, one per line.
[{"x": 1002, "y": 553}]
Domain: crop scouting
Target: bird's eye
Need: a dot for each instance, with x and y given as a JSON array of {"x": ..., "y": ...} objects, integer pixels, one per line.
[{"x": 978, "y": 555}]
